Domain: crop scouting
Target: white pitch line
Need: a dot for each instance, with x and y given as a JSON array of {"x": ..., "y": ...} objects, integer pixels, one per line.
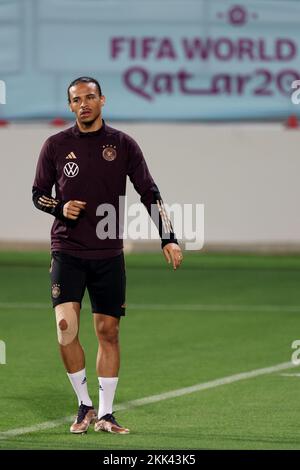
[
  {"x": 156, "y": 398},
  {"x": 217, "y": 308},
  {"x": 24, "y": 305},
  {"x": 290, "y": 375},
  {"x": 170, "y": 307}
]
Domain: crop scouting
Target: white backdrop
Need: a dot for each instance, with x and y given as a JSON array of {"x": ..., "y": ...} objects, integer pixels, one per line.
[{"x": 247, "y": 175}]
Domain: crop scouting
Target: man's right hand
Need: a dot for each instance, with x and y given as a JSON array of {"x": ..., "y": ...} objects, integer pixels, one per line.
[{"x": 72, "y": 209}]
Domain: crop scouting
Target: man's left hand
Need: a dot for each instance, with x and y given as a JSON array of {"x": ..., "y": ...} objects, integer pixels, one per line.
[{"x": 172, "y": 252}]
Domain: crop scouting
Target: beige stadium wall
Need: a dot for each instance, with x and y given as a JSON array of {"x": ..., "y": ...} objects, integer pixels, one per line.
[{"x": 246, "y": 175}]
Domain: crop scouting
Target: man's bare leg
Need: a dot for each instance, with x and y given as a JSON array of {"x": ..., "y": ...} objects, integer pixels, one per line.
[
  {"x": 108, "y": 357},
  {"x": 67, "y": 321},
  {"x": 107, "y": 366}
]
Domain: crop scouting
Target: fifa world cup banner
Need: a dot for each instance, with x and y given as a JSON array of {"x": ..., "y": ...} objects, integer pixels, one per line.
[{"x": 172, "y": 60}]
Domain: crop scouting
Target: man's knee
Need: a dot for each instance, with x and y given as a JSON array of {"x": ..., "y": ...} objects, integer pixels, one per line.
[
  {"x": 108, "y": 332},
  {"x": 67, "y": 323}
]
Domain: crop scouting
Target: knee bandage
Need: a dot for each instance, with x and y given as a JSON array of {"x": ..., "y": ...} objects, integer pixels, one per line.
[{"x": 66, "y": 322}]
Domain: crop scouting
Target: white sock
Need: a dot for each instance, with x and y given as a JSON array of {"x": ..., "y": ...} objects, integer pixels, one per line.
[
  {"x": 107, "y": 389},
  {"x": 79, "y": 384}
]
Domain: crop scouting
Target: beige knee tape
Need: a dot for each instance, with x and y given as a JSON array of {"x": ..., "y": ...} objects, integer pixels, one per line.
[{"x": 66, "y": 322}]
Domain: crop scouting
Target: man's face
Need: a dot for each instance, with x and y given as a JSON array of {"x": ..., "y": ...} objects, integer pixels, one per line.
[{"x": 86, "y": 102}]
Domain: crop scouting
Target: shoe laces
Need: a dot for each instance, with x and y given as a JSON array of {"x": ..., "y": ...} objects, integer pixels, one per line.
[
  {"x": 110, "y": 417},
  {"x": 82, "y": 411}
]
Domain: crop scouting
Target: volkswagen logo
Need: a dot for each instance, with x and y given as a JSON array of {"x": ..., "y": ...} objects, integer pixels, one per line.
[{"x": 71, "y": 169}]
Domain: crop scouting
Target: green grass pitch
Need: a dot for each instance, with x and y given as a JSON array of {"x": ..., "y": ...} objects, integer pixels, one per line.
[{"x": 217, "y": 316}]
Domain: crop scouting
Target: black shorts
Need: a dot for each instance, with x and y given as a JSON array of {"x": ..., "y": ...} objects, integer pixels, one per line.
[{"x": 104, "y": 279}]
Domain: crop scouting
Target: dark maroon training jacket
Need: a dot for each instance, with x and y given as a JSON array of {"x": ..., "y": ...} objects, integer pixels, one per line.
[{"x": 93, "y": 167}]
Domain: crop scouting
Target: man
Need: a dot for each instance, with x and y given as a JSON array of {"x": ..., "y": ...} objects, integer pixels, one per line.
[{"x": 88, "y": 164}]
